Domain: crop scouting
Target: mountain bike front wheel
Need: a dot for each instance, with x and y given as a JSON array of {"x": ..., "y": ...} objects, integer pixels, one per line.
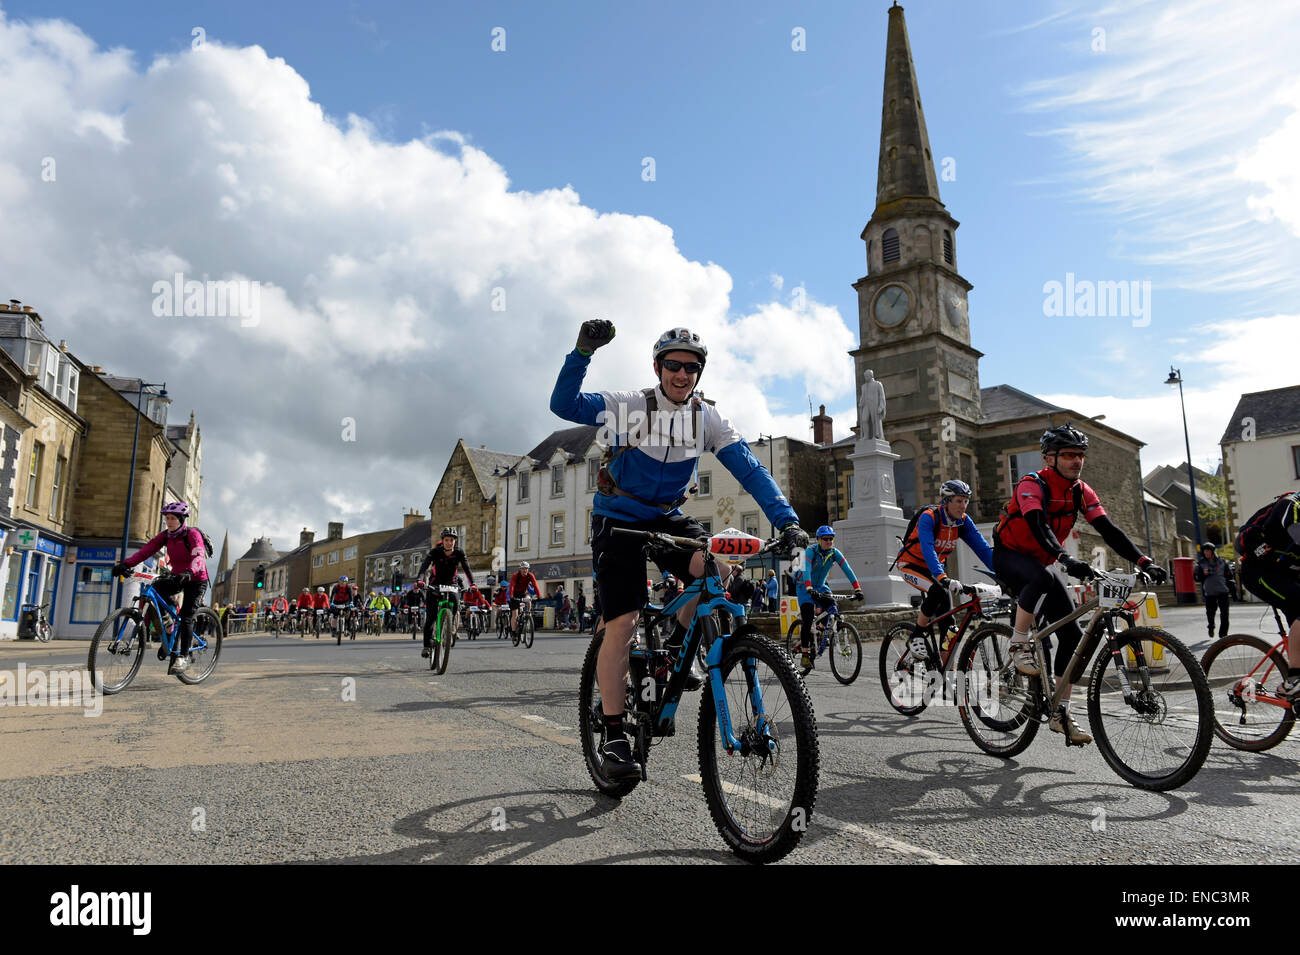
[
  {"x": 591, "y": 724},
  {"x": 203, "y": 660},
  {"x": 528, "y": 632},
  {"x": 761, "y": 795},
  {"x": 445, "y": 635},
  {"x": 1158, "y": 735},
  {"x": 116, "y": 651},
  {"x": 1240, "y": 669},
  {"x": 845, "y": 651}
]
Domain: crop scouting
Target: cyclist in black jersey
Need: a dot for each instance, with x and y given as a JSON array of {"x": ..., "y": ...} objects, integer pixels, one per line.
[
  {"x": 1268, "y": 544},
  {"x": 445, "y": 559}
]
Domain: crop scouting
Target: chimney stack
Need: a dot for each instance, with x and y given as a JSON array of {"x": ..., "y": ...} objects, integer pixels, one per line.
[
  {"x": 306, "y": 537},
  {"x": 413, "y": 517},
  {"x": 821, "y": 423},
  {"x": 335, "y": 531}
]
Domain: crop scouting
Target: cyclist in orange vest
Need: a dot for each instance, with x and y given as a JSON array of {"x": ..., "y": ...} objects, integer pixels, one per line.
[{"x": 922, "y": 562}]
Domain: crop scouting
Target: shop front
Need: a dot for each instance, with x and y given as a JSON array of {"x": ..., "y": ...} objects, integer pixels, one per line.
[{"x": 31, "y": 571}]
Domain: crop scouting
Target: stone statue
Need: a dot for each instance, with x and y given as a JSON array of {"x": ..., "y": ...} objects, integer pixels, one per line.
[{"x": 871, "y": 408}]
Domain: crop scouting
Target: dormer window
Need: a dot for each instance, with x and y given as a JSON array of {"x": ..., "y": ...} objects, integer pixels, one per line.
[{"x": 889, "y": 246}]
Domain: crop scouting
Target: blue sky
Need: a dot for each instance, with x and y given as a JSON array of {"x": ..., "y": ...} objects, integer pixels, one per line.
[{"x": 1154, "y": 153}]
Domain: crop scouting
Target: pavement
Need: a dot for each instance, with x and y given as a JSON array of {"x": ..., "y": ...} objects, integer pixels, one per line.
[{"x": 301, "y": 750}]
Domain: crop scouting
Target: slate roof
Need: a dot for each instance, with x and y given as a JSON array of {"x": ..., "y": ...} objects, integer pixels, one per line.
[
  {"x": 572, "y": 441},
  {"x": 262, "y": 550},
  {"x": 1275, "y": 412},
  {"x": 484, "y": 462},
  {"x": 417, "y": 536},
  {"x": 1005, "y": 403}
]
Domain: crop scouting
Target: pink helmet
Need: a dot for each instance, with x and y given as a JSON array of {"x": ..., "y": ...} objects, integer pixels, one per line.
[{"x": 179, "y": 508}]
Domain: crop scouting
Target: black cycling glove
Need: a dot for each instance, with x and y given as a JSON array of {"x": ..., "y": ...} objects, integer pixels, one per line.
[
  {"x": 1153, "y": 570},
  {"x": 593, "y": 334},
  {"x": 793, "y": 537},
  {"x": 1077, "y": 569},
  {"x": 120, "y": 570}
]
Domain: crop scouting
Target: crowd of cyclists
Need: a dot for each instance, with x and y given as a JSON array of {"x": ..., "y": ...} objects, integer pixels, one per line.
[{"x": 644, "y": 481}]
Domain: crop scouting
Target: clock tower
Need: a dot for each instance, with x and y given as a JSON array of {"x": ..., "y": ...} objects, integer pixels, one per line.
[{"x": 913, "y": 326}]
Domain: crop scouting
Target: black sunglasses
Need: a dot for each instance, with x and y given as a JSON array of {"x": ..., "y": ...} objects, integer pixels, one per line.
[{"x": 690, "y": 367}]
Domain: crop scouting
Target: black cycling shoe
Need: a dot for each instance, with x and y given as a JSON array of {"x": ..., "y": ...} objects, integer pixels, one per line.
[
  {"x": 616, "y": 760},
  {"x": 426, "y": 651},
  {"x": 694, "y": 678}
]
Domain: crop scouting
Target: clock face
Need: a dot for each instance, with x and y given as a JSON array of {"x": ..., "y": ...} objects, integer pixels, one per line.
[
  {"x": 955, "y": 306},
  {"x": 892, "y": 305}
]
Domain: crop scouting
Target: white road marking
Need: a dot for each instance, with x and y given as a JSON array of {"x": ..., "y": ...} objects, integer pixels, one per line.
[
  {"x": 878, "y": 839},
  {"x": 542, "y": 719}
]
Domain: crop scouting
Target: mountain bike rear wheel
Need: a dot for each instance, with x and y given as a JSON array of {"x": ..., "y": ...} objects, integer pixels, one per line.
[
  {"x": 904, "y": 679},
  {"x": 997, "y": 703},
  {"x": 1158, "y": 738},
  {"x": 1242, "y": 672},
  {"x": 116, "y": 651},
  {"x": 203, "y": 660},
  {"x": 591, "y": 726},
  {"x": 761, "y": 795},
  {"x": 845, "y": 650}
]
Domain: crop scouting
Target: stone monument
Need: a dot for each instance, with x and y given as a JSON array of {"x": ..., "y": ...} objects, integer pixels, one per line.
[{"x": 867, "y": 536}]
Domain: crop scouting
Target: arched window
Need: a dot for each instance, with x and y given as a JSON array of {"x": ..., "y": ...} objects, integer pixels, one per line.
[
  {"x": 889, "y": 246},
  {"x": 947, "y": 246}
]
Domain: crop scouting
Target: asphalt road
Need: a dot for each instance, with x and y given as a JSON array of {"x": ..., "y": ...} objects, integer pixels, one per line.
[{"x": 269, "y": 761}]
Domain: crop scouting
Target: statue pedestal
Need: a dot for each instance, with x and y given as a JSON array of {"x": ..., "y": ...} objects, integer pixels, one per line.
[{"x": 867, "y": 535}]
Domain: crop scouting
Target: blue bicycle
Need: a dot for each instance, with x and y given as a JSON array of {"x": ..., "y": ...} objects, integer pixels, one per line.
[
  {"x": 758, "y": 751},
  {"x": 117, "y": 648}
]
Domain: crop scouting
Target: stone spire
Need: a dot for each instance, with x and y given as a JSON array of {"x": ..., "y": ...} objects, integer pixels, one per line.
[
  {"x": 223, "y": 562},
  {"x": 905, "y": 180}
]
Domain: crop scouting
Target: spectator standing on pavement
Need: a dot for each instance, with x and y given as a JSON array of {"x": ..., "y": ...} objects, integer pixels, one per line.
[
  {"x": 772, "y": 589},
  {"x": 582, "y": 610},
  {"x": 1212, "y": 572}
]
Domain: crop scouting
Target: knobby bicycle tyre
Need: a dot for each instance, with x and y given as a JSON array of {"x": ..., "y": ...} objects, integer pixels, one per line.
[
  {"x": 529, "y": 634},
  {"x": 447, "y": 632},
  {"x": 1241, "y": 719},
  {"x": 1173, "y": 720},
  {"x": 996, "y": 702},
  {"x": 203, "y": 662},
  {"x": 904, "y": 681},
  {"x": 845, "y": 650},
  {"x": 788, "y": 720},
  {"x": 116, "y": 650},
  {"x": 592, "y": 732}
]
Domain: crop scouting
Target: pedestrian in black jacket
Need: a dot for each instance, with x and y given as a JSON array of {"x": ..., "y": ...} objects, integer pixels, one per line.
[{"x": 1212, "y": 572}]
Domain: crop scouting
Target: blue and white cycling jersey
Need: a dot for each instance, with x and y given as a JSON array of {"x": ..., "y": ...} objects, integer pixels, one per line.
[
  {"x": 663, "y": 455},
  {"x": 817, "y": 565}
]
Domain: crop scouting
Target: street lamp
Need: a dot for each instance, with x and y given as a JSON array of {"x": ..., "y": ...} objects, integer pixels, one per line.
[
  {"x": 499, "y": 471},
  {"x": 1176, "y": 378},
  {"x": 130, "y": 484}
]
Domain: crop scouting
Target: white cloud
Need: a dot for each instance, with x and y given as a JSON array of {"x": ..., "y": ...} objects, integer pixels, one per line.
[
  {"x": 1175, "y": 128},
  {"x": 1221, "y": 359},
  {"x": 379, "y": 264}
]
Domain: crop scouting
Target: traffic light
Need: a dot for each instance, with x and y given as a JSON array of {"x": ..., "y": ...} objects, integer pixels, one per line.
[
  {"x": 259, "y": 577},
  {"x": 397, "y": 580}
]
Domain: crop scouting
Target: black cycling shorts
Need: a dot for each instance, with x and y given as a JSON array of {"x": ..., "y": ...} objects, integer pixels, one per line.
[
  {"x": 1040, "y": 592},
  {"x": 621, "y": 564},
  {"x": 1275, "y": 583}
]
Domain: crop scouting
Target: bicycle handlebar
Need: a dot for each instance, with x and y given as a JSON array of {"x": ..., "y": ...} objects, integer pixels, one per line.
[{"x": 671, "y": 542}]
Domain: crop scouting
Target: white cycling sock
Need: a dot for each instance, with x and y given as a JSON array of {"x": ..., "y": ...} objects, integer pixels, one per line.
[{"x": 1019, "y": 636}]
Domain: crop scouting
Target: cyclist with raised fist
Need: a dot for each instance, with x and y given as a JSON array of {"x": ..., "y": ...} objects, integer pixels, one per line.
[{"x": 655, "y": 438}]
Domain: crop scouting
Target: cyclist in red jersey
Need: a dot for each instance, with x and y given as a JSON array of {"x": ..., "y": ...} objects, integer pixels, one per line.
[
  {"x": 519, "y": 584},
  {"x": 1027, "y": 540},
  {"x": 1268, "y": 543}
]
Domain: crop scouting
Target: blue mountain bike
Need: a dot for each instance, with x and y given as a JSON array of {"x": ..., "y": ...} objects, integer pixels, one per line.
[
  {"x": 758, "y": 752},
  {"x": 117, "y": 648}
]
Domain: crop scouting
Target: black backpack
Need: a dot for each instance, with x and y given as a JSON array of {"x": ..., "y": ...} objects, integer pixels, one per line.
[{"x": 207, "y": 541}]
